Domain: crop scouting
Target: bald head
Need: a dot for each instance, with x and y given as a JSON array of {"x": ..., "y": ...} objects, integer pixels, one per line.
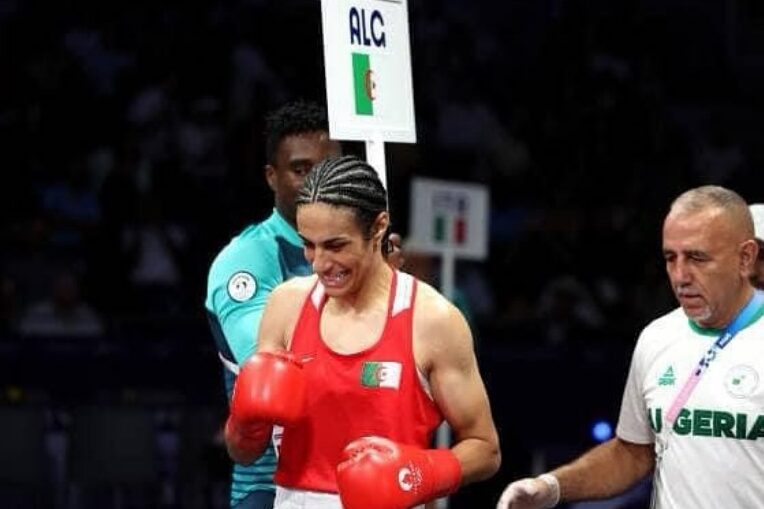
[{"x": 721, "y": 204}]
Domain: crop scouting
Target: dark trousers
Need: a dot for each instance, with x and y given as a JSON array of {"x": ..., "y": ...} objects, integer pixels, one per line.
[{"x": 257, "y": 500}]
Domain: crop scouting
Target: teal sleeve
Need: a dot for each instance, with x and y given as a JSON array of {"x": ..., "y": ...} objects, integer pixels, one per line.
[{"x": 239, "y": 312}]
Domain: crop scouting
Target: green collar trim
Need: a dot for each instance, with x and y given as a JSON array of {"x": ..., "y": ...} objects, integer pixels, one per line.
[{"x": 708, "y": 331}]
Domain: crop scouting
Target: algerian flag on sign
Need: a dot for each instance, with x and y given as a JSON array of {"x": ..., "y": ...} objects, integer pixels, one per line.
[
  {"x": 363, "y": 84},
  {"x": 381, "y": 374}
]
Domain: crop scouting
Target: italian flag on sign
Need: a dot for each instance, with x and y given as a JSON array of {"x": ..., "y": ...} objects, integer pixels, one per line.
[
  {"x": 457, "y": 226},
  {"x": 381, "y": 374},
  {"x": 363, "y": 84}
]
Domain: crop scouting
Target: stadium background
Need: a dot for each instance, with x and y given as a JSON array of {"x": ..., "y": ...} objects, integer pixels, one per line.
[{"x": 132, "y": 151}]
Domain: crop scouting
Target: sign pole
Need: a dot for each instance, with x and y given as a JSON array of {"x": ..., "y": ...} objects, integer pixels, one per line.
[
  {"x": 447, "y": 273},
  {"x": 375, "y": 156}
]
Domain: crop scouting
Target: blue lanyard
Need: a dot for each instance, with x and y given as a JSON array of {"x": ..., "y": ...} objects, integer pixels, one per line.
[{"x": 741, "y": 320}]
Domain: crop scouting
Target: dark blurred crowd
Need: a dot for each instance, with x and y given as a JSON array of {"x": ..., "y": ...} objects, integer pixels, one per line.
[{"x": 133, "y": 151}]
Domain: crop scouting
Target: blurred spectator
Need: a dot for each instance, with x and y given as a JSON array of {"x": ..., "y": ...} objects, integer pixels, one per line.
[
  {"x": 119, "y": 193},
  {"x": 33, "y": 261},
  {"x": 251, "y": 77},
  {"x": 71, "y": 208},
  {"x": 719, "y": 157},
  {"x": 108, "y": 263},
  {"x": 201, "y": 139},
  {"x": 568, "y": 313},
  {"x": 153, "y": 115},
  {"x": 63, "y": 313},
  {"x": 155, "y": 247},
  {"x": 101, "y": 64}
]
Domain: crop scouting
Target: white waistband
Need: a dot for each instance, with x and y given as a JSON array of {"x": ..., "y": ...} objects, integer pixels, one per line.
[{"x": 290, "y": 498}]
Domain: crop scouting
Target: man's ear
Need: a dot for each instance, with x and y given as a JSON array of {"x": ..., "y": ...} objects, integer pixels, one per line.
[
  {"x": 270, "y": 176},
  {"x": 749, "y": 252}
]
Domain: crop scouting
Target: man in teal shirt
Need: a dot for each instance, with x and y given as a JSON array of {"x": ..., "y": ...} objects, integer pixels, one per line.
[{"x": 259, "y": 258}]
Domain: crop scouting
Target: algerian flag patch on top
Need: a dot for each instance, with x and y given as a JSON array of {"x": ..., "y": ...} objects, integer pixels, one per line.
[{"x": 381, "y": 374}]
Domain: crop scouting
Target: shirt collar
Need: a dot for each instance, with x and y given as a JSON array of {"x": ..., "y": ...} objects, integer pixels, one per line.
[{"x": 286, "y": 229}]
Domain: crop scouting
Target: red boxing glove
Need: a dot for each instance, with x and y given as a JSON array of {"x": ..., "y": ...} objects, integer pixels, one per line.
[
  {"x": 378, "y": 473},
  {"x": 270, "y": 389}
]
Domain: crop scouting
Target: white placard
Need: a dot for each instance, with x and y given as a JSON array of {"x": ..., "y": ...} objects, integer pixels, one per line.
[
  {"x": 368, "y": 70},
  {"x": 449, "y": 217}
]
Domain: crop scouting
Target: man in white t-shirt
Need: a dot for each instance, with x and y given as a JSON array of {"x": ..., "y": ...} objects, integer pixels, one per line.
[{"x": 693, "y": 406}]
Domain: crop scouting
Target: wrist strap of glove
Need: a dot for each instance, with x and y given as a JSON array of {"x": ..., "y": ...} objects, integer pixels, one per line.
[
  {"x": 447, "y": 472},
  {"x": 554, "y": 485}
]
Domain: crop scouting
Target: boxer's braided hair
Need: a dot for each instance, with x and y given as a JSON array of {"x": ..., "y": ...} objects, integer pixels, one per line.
[{"x": 347, "y": 181}]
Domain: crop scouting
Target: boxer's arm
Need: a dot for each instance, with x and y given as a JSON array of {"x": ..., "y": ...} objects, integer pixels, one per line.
[
  {"x": 281, "y": 314},
  {"x": 443, "y": 341},
  {"x": 246, "y": 437}
]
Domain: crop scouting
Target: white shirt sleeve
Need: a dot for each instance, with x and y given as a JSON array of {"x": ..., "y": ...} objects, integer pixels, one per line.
[{"x": 633, "y": 421}]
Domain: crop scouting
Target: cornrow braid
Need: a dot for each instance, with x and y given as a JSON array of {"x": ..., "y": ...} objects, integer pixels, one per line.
[{"x": 346, "y": 181}]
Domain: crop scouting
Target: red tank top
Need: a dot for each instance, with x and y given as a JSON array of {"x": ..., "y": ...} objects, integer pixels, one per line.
[{"x": 373, "y": 392}]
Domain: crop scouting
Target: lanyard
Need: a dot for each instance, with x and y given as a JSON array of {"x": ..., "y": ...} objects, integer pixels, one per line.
[{"x": 741, "y": 320}]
